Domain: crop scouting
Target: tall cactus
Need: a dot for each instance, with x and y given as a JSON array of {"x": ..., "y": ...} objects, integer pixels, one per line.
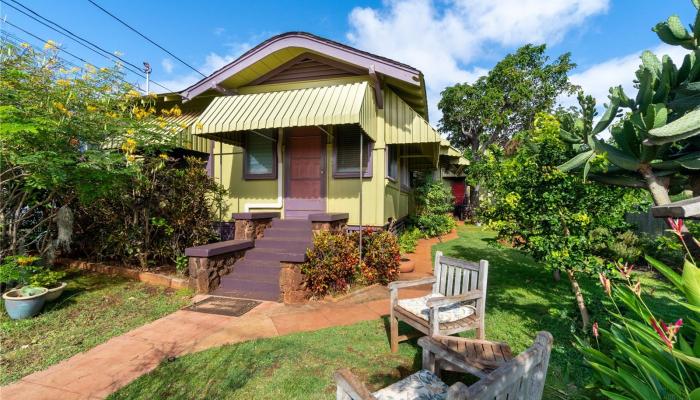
[{"x": 656, "y": 143}]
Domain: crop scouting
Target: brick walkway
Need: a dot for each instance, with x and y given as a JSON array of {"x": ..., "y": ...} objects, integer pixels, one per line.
[{"x": 105, "y": 368}]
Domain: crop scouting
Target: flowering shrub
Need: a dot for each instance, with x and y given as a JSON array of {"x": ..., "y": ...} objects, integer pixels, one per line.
[
  {"x": 332, "y": 265},
  {"x": 380, "y": 257},
  {"x": 643, "y": 354}
]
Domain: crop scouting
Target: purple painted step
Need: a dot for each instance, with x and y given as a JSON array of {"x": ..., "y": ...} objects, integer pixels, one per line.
[
  {"x": 248, "y": 285},
  {"x": 271, "y": 233},
  {"x": 291, "y": 223},
  {"x": 248, "y": 294},
  {"x": 275, "y": 255}
]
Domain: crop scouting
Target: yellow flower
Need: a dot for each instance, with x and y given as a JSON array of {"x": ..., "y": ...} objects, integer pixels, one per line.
[
  {"x": 91, "y": 108},
  {"x": 163, "y": 156},
  {"x": 50, "y": 45},
  {"x": 104, "y": 69},
  {"x": 129, "y": 146},
  {"x": 512, "y": 199},
  {"x": 582, "y": 218},
  {"x": 175, "y": 111},
  {"x": 63, "y": 82},
  {"x": 25, "y": 45},
  {"x": 130, "y": 132},
  {"x": 90, "y": 68},
  {"x": 60, "y": 107},
  {"x": 199, "y": 126},
  {"x": 130, "y": 158}
]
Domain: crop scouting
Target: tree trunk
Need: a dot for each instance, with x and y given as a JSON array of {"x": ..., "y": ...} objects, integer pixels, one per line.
[
  {"x": 556, "y": 275},
  {"x": 585, "y": 319},
  {"x": 660, "y": 195}
]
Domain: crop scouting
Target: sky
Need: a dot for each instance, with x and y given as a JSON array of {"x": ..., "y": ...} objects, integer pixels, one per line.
[{"x": 450, "y": 41}]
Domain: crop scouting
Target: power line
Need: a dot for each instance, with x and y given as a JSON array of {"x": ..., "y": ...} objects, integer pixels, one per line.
[
  {"x": 146, "y": 37},
  {"x": 65, "y": 51},
  {"x": 16, "y": 40},
  {"x": 81, "y": 41},
  {"x": 76, "y": 38}
]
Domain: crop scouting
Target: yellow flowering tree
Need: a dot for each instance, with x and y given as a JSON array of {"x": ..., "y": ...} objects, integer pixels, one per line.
[
  {"x": 551, "y": 215},
  {"x": 68, "y": 134}
]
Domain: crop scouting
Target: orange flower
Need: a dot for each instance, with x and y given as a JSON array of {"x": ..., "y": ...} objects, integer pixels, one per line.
[{"x": 605, "y": 282}]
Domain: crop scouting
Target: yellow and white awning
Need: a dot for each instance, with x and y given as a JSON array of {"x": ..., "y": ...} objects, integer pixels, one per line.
[{"x": 227, "y": 116}]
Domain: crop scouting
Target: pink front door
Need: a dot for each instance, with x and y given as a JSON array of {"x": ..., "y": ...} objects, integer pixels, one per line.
[{"x": 305, "y": 162}]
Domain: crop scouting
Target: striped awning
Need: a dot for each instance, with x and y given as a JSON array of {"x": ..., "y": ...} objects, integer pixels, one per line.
[
  {"x": 227, "y": 116},
  {"x": 182, "y": 126}
]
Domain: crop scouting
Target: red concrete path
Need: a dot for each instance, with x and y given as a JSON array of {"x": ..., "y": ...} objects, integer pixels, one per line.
[{"x": 104, "y": 369}]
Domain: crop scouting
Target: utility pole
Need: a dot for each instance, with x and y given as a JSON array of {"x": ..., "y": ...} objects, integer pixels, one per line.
[{"x": 147, "y": 69}]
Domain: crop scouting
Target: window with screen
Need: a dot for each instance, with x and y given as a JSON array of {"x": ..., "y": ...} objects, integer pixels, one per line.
[
  {"x": 346, "y": 152},
  {"x": 260, "y": 161},
  {"x": 392, "y": 160},
  {"x": 405, "y": 176}
]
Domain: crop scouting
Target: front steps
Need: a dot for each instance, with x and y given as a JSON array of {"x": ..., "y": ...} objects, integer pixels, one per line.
[{"x": 257, "y": 274}]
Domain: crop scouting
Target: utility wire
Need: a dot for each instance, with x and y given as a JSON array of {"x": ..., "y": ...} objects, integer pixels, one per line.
[
  {"x": 65, "y": 51},
  {"x": 146, "y": 37},
  {"x": 81, "y": 41},
  {"x": 16, "y": 40}
]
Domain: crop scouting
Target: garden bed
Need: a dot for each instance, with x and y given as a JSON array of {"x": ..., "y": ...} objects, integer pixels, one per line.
[
  {"x": 522, "y": 300},
  {"x": 161, "y": 276},
  {"x": 93, "y": 309}
]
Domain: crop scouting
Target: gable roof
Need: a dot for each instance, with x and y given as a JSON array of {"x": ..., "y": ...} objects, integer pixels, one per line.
[{"x": 406, "y": 81}]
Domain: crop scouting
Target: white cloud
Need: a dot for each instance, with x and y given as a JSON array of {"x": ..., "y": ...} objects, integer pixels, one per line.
[
  {"x": 167, "y": 65},
  {"x": 443, "y": 40},
  {"x": 219, "y": 31},
  {"x": 597, "y": 79},
  {"x": 212, "y": 62}
]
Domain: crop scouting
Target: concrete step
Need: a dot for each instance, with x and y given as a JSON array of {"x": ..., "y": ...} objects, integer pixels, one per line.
[
  {"x": 249, "y": 294},
  {"x": 264, "y": 254},
  {"x": 249, "y": 286},
  {"x": 288, "y": 233},
  {"x": 284, "y": 245},
  {"x": 291, "y": 223},
  {"x": 255, "y": 276}
]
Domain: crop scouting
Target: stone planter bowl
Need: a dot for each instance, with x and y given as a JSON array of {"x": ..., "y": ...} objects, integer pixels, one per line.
[
  {"x": 56, "y": 292},
  {"x": 406, "y": 265},
  {"x": 23, "y": 307}
]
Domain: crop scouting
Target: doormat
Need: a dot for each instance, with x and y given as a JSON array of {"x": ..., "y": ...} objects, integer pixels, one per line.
[{"x": 223, "y": 306}]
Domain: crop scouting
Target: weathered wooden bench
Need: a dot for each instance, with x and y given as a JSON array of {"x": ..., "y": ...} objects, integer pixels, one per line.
[
  {"x": 522, "y": 377},
  {"x": 456, "y": 304}
]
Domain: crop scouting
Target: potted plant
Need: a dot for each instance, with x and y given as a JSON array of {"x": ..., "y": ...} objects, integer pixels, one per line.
[
  {"x": 51, "y": 280},
  {"x": 25, "y": 302},
  {"x": 21, "y": 302}
]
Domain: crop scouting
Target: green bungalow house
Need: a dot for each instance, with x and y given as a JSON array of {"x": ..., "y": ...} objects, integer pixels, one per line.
[{"x": 304, "y": 128}]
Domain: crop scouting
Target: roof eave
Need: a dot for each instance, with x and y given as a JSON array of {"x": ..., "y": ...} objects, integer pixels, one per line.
[{"x": 336, "y": 50}]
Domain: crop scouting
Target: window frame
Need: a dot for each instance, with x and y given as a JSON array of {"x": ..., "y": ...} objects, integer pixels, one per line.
[
  {"x": 405, "y": 186},
  {"x": 247, "y": 175},
  {"x": 368, "y": 149},
  {"x": 388, "y": 163}
]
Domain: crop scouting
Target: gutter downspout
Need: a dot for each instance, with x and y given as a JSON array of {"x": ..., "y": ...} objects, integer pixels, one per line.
[
  {"x": 362, "y": 172},
  {"x": 280, "y": 178}
]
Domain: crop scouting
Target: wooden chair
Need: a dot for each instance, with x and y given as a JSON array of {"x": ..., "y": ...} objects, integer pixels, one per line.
[
  {"x": 522, "y": 377},
  {"x": 458, "y": 287}
]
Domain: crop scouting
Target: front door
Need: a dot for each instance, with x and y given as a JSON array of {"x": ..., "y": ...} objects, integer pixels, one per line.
[{"x": 305, "y": 162}]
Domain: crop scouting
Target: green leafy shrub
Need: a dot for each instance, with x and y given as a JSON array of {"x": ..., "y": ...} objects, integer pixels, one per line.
[
  {"x": 332, "y": 265},
  {"x": 169, "y": 206},
  {"x": 46, "y": 278},
  {"x": 408, "y": 240},
  {"x": 380, "y": 257},
  {"x": 645, "y": 354},
  {"x": 18, "y": 270},
  {"x": 663, "y": 248},
  {"x": 433, "y": 209},
  {"x": 182, "y": 265}
]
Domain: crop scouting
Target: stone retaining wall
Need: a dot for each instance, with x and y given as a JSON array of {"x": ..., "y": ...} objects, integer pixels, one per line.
[
  {"x": 150, "y": 278},
  {"x": 206, "y": 272},
  {"x": 252, "y": 225},
  {"x": 292, "y": 284}
]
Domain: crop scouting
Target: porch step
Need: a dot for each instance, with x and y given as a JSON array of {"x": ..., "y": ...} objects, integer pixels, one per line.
[
  {"x": 257, "y": 275},
  {"x": 274, "y": 254},
  {"x": 291, "y": 223}
]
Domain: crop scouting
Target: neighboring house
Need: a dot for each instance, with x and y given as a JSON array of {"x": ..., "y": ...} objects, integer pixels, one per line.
[{"x": 288, "y": 124}]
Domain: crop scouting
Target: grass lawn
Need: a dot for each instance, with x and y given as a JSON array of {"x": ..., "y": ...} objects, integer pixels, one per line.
[
  {"x": 522, "y": 300},
  {"x": 92, "y": 309}
]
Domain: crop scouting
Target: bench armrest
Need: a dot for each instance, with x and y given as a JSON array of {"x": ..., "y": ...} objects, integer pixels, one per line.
[
  {"x": 417, "y": 282},
  {"x": 349, "y": 387},
  {"x": 443, "y": 301}
]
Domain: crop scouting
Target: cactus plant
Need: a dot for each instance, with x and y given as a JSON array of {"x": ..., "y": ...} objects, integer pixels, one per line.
[{"x": 655, "y": 144}]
